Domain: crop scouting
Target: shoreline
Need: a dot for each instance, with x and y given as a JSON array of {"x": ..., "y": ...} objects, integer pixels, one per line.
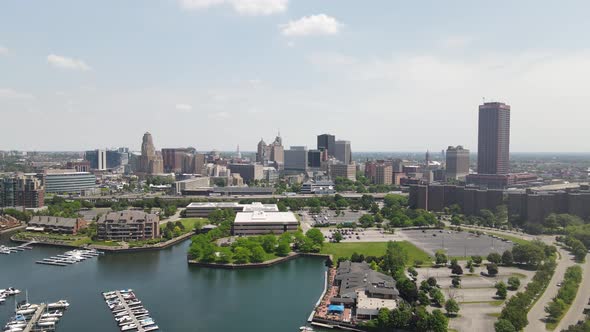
[
  {"x": 12, "y": 229},
  {"x": 113, "y": 249},
  {"x": 265, "y": 264}
]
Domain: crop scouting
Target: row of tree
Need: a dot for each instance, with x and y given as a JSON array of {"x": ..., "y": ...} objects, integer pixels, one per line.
[{"x": 566, "y": 294}]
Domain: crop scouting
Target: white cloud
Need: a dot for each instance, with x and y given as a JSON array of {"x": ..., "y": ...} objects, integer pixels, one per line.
[
  {"x": 455, "y": 41},
  {"x": 184, "y": 107},
  {"x": 328, "y": 59},
  {"x": 6, "y": 93},
  {"x": 3, "y": 50},
  {"x": 321, "y": 24},
  {"x": 242, "y": 7},
  {"x": 219, "y": 115},
  {"x": 67, "y": 63}
]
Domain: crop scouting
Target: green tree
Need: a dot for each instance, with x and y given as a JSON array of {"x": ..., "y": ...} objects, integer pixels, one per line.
[
  {"x": 477, "y": 260},
  {"x": 492, "y": 269},
  {"x": 269, "y": 243},
  {"x": 457, "y": 270},
  {"x": 423, "y": 298},
  {"x": 452, "y": 307},
  {"x": 513, "y": 283},
  {"x": 555, "y": 308},
  {"x": 283, "y": 248},
  {"x": 440, "y": 257},
  {"x": 507, "y": 258},
  {"x": 242, "y": 255},
  {"x": 257, "y": 254},
  {"x": 438, "y": 322},
  {"x": 401, "y": 316},
  {"x": 504, "y": 325},
  {"x": 395, "y": 258},
  {"x": 456, "y": 282},
  {"x": 337, "y": 237},
  {"x": 529, "y": 253},
  {"x": 501, "y": 290},
  {"x": 494, "y": 257},
  {"x": 316, "y": 236}
]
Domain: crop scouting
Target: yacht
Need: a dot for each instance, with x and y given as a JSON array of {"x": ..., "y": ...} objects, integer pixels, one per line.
[
  {"x": 46, "y": 324},
  {"x": 61, "y": 304},
  {"x": 26, "y": 311},
  {"x": 52, "y": 314},
  {"x": 129, "y": 327},
  {"x": 151, "y": 328}
]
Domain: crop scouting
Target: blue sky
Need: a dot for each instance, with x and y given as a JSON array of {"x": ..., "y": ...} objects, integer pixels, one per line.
[{"x": 387, "y": 75}]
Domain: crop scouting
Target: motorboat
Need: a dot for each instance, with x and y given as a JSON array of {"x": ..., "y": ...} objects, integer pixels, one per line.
[
  {"x": 128, "y": 327},
  {"x": 61, "y": 304},
  {"x": 10, "y": 291},
  {"x": 46, "y": 324},
  {"x": 2, "y": 299},
  {"x": 305, "y": 329},
  {"x": 151, "y": 328},
  {"x": 26, "y": 311},
  {"x": 52, "y": 314}
]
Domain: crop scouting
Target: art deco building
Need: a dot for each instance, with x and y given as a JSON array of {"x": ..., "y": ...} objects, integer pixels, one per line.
[{"x": 150, "y": 162}]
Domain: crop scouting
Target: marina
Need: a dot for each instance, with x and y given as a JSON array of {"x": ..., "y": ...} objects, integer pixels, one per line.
[
  {"x": 36, "y": 317},
  {"x": 5, "y": 250},
  {"x": 70, "y": 257},
  {"x": 128, "y": 311}
]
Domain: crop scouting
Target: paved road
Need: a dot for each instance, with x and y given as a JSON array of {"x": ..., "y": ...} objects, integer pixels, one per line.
[
  {"x": 537, "y": 313},
  {"x": 576, "y": 311}
]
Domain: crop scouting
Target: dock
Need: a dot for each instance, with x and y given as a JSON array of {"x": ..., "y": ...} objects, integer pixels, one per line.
[
  {"x": 129, "y": 311},
  {"x": 124, "y": 303},
  {"x": 32, "y": 324}
]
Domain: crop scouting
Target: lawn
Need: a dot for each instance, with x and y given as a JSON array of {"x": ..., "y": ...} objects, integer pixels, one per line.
[
  {"x": 346, "y": 249},
  {"x": 190, "y": 223},
  {"x": 514, "y": 239}
]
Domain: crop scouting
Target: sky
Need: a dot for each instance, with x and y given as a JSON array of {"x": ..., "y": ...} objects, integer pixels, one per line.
[{"x": 387, "y": 75}]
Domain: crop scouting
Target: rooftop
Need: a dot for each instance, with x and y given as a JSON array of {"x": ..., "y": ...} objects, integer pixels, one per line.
[{"x": 261, "y": 216}]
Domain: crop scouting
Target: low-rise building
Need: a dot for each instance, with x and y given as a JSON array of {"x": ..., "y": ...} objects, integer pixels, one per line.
[
  {"x": 56, "y": 224},
  {"x": 260, "y": 222},
  {"x": 67, "y": 181},
  {"x": 203, "y": 209},
  {"x": 318, "y": 187},
  {"x": 179, "y": 187},
  {"x": 128, "y": 225}
]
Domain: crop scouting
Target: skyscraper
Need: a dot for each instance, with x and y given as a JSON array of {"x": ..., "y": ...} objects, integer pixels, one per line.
[
  {"x": 457, "y": 162},
  {"x": 327, "y": 142},
  {"x": 150, "y": 162},
  {"x": 493, "y": 146},
  {"x": 342, "y": 152}
]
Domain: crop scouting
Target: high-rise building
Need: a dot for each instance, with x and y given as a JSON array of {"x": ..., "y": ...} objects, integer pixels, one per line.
[
  {"x": 342, "y": 151},
  {"x": 296, "y": 159},
  {"x": 493, "y": 146},
  {"x": 149, "y": 162},
  {"x": 383, "y": 174},
  {"x": 347, "y": 171},
  {"x": 97, "y": 159},
  {"x": 173, "y": 159},
  {"x": 21, "y": 190},
  {"x": 457, "y": 163},
  {"x": 273, "y": 152},
  {"x": 248, "y": 172},
  {"x": 327, "y": 142},
  {"x": 314, "y": 158}
]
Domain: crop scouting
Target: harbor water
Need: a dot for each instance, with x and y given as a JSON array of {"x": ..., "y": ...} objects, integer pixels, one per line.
[{"x": 179, "y": 297}]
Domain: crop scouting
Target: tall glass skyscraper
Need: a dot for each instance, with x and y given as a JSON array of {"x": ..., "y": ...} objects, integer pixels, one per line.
[{"x": 493, "y": 146}]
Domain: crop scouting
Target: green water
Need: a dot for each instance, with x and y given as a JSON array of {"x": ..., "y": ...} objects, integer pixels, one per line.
[{"x": 179, "y": 297}]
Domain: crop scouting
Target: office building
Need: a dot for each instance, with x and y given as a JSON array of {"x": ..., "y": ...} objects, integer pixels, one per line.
[
  {"x": 296, "y": 159},
  {"x": 67, "y": 181},
  {"x": 150, "y": 162},
  {"x": 347, "y": 171},
  {"x": 79, "y": 166},
  {"x": 261, "y": 222},
  {"x": 318, "y": 188},
  {"x": 21, "y": 190},
  {"x": 457, "y": 163},
  {"x": 203, "y": 209},
  {"x": 314, "y": 158},
  {"x": 273, "y": 152},
  {"x": 383, "y": 174},
  {"x": 178, "y": 187},
  {"x": 472, "y": 200},
  {"x": 129, "y": 225},
  {"x": 493, "y": 146},
  {"x": 342, "y": 152},
  {"x": 249, "y": 172},
  {"x": 327, "y": 142},
  {"x": 97, "y": 159},
  {"x": 173, "y": 159}
]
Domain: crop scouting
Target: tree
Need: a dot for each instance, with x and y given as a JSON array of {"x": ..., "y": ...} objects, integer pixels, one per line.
[
  {"x": 507, "y": 258},
  {"x": 257, "y": 254},
  {"x": 454, "y": 262},
  {"x": 440, "y": 257},
  {"x": 283, "y": 248},
  {"x": 438, "y": 322},
  {"x": 501, "y": 290},
  {"x": 401, "y": 316},
  {"x": 555, "y": 308},
  {"x": 452, "y": 307},
  {"x": 456, "y": 282},
  {"x": 476, "y": 260},
  {"x": 316, "y": 236},
  {"x": 423, "y": 298},
  {"x": 242, "y": 255},
  {"x": 513, "y": 283},
  {"x": 269, "y": 243},
  {"x": 396, "y": 258},
  {"x": 437, "y": 296},
  {"x": 367, "y": 220},
  {"x": 337, "y": 237},
  {"x": 492, "y": 269},
  {"x": 504, "y": 325},
  {"x": 431, "y": 281},
  {"x": 407, "y": 290},
  {"x": 383, "y": 320},
  {"x": 529, "y": 253},
  {"x": 494, "y": 257},
  {"x": 412, "y": 271},
  {"x": 457, "y": 269}
]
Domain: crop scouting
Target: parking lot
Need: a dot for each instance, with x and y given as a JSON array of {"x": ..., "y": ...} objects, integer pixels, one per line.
[
  {"x": 362, "y": 235},
  {"x": 456, "y": 243}
]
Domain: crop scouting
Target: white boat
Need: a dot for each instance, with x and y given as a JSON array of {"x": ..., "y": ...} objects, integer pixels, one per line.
[
  {"x": 61, "y": 304},
  {"x": 49, "y": 319},
  {"x": 26, "y": 311},
  {"x": 52, "y": 314},
  {"x": 128, "y": 327},
  {"x": 305, "y": 328},
  {"x": 46, "y": 324},
  {"x": 151, "y": 328},
  {"x": 2, "y": 299}
]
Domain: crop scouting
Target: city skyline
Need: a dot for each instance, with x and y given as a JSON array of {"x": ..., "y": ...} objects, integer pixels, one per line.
[{"x": 211, "y": 67}]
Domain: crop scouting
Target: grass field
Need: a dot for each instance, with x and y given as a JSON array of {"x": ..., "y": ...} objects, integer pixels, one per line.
[
  {"x": 190, "y": 223},
  {"x": 346, "y": 249}
]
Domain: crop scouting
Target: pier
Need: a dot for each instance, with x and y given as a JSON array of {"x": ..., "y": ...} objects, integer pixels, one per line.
[
  {"x": 129, "y": 312},
  {"x": 32, "y": 324}
]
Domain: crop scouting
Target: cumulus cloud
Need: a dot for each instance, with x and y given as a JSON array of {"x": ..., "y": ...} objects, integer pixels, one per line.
[
  {"x": 67, "y": 63},
  {"x": 184, "y": 107},
  {"x": 6, "y": 93},
  {"x": 242, "y": 7},
  {"x": 321, "y": 24}
]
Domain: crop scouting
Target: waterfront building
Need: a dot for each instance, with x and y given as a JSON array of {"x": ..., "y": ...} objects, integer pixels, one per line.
[
  {"x": 457, "y": 163},
  {"x": 128, "y": 225},
  {"x": 150, "y": 162},
  {"x": 22, "y": 190},
  {"x": 56, "y": 224},
  {"x": 67, "y": 181},
  {"x": 203, "y": 209},
  {"x": 364, "y": 289},
  {"x": 296, "y": 159},
  {"x": 257, "y": 222},
  {"x": 327, "y": 142},
  {"x": 342, "y": 152}
]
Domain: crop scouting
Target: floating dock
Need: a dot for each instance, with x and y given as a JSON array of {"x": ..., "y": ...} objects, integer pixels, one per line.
[
  {"x": 32, "y": 324},
  {"x": 70, "y": 257},
  {"x": 125, "y": 303}
]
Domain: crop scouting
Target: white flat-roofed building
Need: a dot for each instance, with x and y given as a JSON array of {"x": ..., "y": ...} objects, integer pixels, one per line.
[
  {"x": 203, "y": 209},
  {"x": 261, "y": 222}
]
